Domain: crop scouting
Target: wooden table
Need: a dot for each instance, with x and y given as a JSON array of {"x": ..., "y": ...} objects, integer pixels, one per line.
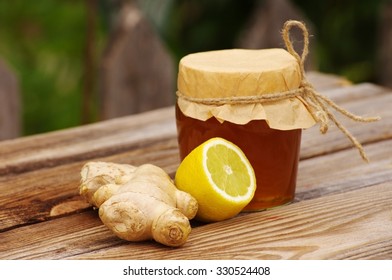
[{"x": 342, "y": 210}]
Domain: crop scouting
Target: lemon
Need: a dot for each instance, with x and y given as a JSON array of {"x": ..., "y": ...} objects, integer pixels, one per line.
[{"x": 220, "y": 177}]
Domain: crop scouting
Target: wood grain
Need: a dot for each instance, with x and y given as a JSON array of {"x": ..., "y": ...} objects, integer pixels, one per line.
[
  {"x": 314, "y": 143},
  {"x": 323, "y": 228},
  {"x": 86, "y": 142},
  {"x": 55, "y": 193},
  {"x": 39, "y": 195},
  {"x": 336, "y": 226},
  {"x": 341, "y": 210}
]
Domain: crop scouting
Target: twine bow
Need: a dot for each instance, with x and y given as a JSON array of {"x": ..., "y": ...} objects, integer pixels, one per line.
[{"x": 318, "y": 104}]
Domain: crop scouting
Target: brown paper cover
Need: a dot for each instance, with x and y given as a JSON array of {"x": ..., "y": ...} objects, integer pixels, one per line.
[{"x": 240, "y": 72}]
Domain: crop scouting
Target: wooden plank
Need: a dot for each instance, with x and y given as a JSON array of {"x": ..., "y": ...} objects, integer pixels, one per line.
[
  {"x": 314, "y": 143},
  {"x": 27, "y": 199},
  {"x": 118, "y": 135},
  {"x": 323, "y": 228},
  {"x": 352, "y": 93},
  {"x": 323, "y": 81},
  {"x": 329, "y": 227},
  {"x": 38, "y": 202},
  {"x": 57, "y": 238},
  {"x": 43, "y": 194},
  {"x": 343, "y": 171},
  {"x": 40, "y": 174},
  {"x": 85, "y": 142}
]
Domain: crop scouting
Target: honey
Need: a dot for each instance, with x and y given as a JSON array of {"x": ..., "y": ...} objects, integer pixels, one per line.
[{"x": 273, "y": 154}]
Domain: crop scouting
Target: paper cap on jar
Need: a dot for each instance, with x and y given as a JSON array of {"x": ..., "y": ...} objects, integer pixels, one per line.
[
  {"x": 237, "y": 72},
  {"x": 242, "y": 73}
]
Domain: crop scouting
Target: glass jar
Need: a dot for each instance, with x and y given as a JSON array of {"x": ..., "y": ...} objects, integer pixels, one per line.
[{"x": 269, "y": 133}]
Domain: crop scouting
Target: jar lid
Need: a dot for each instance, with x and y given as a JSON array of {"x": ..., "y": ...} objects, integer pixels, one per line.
[{"x": 237, "y": 72}]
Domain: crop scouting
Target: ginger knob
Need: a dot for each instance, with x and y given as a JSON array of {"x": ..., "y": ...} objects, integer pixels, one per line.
[{"x": 138, "y": 203}]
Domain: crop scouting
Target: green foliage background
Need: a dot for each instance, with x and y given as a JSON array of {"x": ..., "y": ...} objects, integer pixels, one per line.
[{"x": 44, "y": 42}]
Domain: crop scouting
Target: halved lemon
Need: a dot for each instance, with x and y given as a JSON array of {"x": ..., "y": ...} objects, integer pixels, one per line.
[{"x": 220, "y": 177}]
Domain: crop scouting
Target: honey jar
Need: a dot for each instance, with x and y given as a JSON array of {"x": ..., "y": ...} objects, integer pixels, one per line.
[{"x": 212, "y": 88}]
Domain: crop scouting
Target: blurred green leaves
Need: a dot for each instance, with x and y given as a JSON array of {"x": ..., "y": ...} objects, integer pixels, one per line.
[
  {"x": 202, "y": 25},
  {"x": 43, "y": 41},
  {"x": 346, "y": 35}
]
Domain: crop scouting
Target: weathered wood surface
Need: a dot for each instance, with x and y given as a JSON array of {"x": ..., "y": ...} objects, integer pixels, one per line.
[{"x": 341, "y": 211}]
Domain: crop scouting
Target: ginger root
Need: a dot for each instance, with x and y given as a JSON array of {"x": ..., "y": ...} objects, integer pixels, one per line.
[{"x": 138, "y": 203}]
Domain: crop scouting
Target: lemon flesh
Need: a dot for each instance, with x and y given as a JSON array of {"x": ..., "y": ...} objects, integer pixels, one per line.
[{"x": 220, "y": 177}]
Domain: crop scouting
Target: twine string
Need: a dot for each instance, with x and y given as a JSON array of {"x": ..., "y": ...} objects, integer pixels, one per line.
[
  {"x": 317, "y": 104},
  {"x": 289, "y": 45}
]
